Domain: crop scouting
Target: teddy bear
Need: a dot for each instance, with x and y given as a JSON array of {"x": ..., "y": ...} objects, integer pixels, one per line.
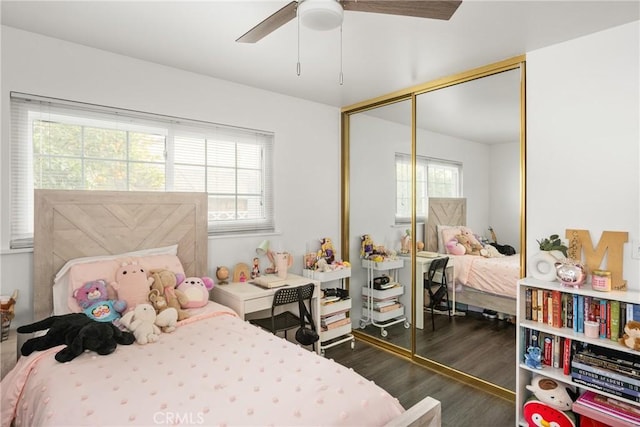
[
  {"x": 132, "y": 284},
  {"x": 141, "y": 322},
  {"x": 78, "y": 332},
  {"x": 94, "y": 299},
  {"x": 166, "y": 317},
  {"x": 165, "y": 282},
  {"x": 196, "y": 291},
  {"x": 470, "y": 249},
  {"x": 631, "y": 336}
]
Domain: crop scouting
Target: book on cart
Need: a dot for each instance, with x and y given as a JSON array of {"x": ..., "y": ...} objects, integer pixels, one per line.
[
  {"x": 336, "y": 324},
  {"x": 333, "y": 318}
]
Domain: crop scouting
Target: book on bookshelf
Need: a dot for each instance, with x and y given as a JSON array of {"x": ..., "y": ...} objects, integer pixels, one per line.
[
  {"x": 566, "y": 356},
  {"x": 528, "y": 306},
  {"x": 556, "y": 309},
  {"x": 605, "y": 387},
  {"x": 615, "y": 320},
  {"x": 609, "y": 406},
  {"x": 605, "y": 375},
  {"x": 539, "y": 308}
]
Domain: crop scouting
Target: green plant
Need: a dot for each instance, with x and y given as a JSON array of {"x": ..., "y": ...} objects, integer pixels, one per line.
[{"x": 552, "y": 243}]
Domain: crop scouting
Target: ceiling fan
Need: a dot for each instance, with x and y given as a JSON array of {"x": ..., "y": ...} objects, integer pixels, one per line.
[{"x": 327, "y": 14}]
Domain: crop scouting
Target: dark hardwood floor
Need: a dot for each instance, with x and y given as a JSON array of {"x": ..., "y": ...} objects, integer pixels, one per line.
[
  {"x": 462, "y": 405},
  {"x": 461, "y": 343}
]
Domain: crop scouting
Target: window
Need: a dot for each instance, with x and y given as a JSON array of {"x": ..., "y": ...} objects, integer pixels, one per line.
[
  {"x": 60, "y": 144},
  {"x": 434, "y": 178}
]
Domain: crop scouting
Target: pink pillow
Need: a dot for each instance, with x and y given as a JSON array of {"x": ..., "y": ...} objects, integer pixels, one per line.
[{"x": 449, "y": 233}]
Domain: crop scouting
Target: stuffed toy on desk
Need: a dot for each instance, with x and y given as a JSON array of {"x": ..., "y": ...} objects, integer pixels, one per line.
[{"x": 78, "y": 332}]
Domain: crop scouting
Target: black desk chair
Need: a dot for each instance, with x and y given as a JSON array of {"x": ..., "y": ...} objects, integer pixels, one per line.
[
  {"x": 286, "y": 320},
  {"x": 437, "y": 289}
]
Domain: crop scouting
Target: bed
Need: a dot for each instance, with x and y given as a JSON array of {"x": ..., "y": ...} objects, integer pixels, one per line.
[
  {"x": 214, "y": 369},
  {"x": 488, "y": 283}
]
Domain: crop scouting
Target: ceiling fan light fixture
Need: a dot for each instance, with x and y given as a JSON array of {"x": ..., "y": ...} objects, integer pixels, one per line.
[{"x": 320, "y": 15}]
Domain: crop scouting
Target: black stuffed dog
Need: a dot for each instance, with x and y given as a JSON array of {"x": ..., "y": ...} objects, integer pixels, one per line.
[{"x": 78, "y": 332}]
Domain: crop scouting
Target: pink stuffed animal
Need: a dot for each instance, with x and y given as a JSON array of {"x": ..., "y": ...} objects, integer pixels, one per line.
[
  {"x": 196, "y": 290},
  {"x": 132, "y": 285},
  {"x": 455, "y": 248}
]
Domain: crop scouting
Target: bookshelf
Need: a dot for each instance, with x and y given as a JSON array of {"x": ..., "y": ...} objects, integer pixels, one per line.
[{"x": 545, "y": 327}]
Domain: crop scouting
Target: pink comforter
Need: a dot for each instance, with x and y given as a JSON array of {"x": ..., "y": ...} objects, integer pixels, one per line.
[
  {"x": 497, "y": 276},
  {"x": 215, "y": 369}
]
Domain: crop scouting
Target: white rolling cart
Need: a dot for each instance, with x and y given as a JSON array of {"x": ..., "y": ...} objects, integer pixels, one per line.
[
  {"x": 341, "y": 334},
  {"x": 371, "y": 296}
]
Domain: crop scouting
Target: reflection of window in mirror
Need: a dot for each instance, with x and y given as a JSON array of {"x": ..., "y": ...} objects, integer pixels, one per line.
[{"x": 434, "y": 178}]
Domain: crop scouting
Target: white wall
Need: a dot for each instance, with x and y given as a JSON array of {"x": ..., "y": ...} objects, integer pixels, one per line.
[
  {"x": 583, "y": 139},
  {"x": 307, "y": 138},
  {"x": 504, "y": 198}
]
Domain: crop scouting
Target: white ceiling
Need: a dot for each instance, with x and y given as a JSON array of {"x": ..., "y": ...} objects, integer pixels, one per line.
[{"x": 381, "y": 53}]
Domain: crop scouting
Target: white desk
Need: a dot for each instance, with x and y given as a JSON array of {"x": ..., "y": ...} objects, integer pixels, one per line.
[
  {"x": 251, "y": 301},
  {"x": 422, "y": 267}
]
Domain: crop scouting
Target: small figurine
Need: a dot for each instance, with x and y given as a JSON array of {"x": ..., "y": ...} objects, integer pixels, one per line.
[
  {"x": 255, "y": 271},
  {"x": 222, "y": 274},
  {"x": 366, "y": 246},
  {"x": 326, "y": 250}
]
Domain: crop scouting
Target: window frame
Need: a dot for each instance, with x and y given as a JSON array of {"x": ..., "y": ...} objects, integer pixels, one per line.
[
  {"x": 26, "y": 108},
  {"x": 424, "y": 162}
]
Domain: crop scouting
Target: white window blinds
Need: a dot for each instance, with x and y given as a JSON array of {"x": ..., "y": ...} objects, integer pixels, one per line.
[
  {"x": 58, "y": 144},
  {"x": 434, "y": 178}
]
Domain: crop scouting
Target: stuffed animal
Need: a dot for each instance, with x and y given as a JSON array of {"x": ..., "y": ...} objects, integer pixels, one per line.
[
  {"x": 78, "y": 332},
  {"x": 489, "y": 251},
  {"x": 94, "y": 299},
  {"x": 631, "y": 336},
  {"x": 533, "y": 358},
  {"x": 165, "y": 282},
  {"x": 166, "y": 317},
  {"x": 132, "y": 284},
  {"x": 141, "y": 321},
  {"x": 455, "y": 248},
  {"x": 557, "y": 395},
  {"x": 551, "y": 403},
  {"x": 196, "y": 290},
  {"x": 465, "y": 231},
  {"x": 470, "y": 249}
]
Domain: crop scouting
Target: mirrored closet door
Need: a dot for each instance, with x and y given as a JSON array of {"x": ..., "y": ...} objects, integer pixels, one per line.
[{"x": 459, "y": 139}]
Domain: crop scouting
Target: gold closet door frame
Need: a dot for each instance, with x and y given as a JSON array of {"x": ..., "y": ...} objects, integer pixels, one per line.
[{"x": 517, "y": 62}]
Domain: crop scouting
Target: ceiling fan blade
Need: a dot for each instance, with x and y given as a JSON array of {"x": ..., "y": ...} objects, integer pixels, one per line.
[
  {"x": 422, "y": 9},
  {"x": 270, "y": 24}
]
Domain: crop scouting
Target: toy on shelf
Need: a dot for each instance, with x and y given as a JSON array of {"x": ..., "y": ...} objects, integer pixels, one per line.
[
  {"x": 631, "y": 336},
  {"x": 550, "y": 404}
]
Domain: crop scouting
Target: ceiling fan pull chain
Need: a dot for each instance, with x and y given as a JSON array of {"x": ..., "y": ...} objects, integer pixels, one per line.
[
  {"x": 341, "y": 75},
  {"x": 298, "y": 64}
]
